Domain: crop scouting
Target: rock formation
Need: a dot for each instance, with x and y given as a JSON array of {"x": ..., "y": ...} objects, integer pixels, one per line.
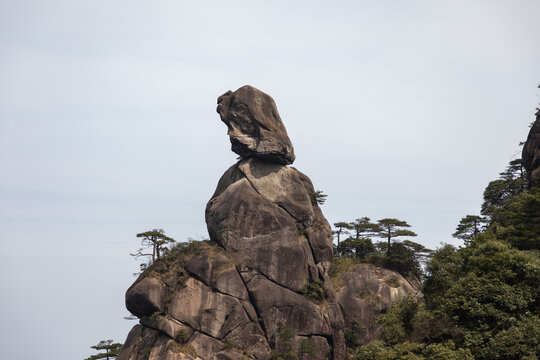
[
  {"x": 260, "y": 287},
  {"x": 255, "y": 128},
  {"x": 531, "y": 152}
]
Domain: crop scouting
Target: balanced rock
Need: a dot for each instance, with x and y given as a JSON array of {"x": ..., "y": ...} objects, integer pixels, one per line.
[
  {"x": 260, "y": 288},
  {"x": 255, "y": 128},
  {"x": 531, "y": 152}
]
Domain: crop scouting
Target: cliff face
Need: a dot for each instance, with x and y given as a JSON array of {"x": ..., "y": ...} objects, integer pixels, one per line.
[
  {"x": 531, "y": 152},
  {"x": 261, "y": 285}
]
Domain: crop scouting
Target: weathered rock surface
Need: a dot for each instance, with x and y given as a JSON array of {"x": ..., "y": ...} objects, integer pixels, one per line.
[
  {"x": 261, "y": 284},
  {"x": 255, "y": 128},
  {"x": 202, "y": 309},
  {"x": 365, "y": 291},
  {"x": 262, "y": 214},
  {"x": 531, "y": 152}
]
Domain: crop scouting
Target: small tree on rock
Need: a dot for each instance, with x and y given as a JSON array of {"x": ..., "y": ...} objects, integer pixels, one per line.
[
  {"x": 111, "y": 349},
  {"x": 154, "y": 239},
  {"x": 318, "y": 197}
]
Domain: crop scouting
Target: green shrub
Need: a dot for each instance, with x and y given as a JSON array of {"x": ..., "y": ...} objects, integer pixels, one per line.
[
  {"x": 313, "y": 290},
  {"x": 182, "y": 337},
  {"x": 306, "y": 347},
  {"x": 393, "y": 281}
]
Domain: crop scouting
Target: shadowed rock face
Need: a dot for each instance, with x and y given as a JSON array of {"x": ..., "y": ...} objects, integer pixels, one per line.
[
  {"x": 265, "y": 269},
  {"x": 531, "y": 152},
  {"x": 255, "y": 128}
]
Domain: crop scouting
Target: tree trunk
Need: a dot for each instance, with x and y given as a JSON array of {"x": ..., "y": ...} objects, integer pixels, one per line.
[{"x": 388, "y": 249}]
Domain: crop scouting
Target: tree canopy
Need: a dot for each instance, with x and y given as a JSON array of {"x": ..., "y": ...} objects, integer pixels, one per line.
[
  {"x": 469, "y": 227},
  {"x": 404, "y": 257},
  {"x": 481, "y": 301},
  {"x": 391, "y": 228}
]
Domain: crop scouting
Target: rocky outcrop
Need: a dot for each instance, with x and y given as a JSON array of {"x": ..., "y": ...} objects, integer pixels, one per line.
[
  {"x": 263, "y": 216},
  {"x": 364, "y": 292},
  {"x": 193, "y": 304},
  {"x": 531, "y": 152},
  {"x": 260, "y": 287},
  {"x": 255, "y": 128}
]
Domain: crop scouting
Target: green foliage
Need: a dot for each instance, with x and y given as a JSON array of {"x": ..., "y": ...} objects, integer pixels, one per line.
[
  {"x": 352, "y": 333},
  {"x": 154, "y": 243},
  {"x": 469, "y": 227},
  {"x": 285, "y": 334},
  {"x": 356, "y": 247},
  {"x": 397, "y": 323},
  {"x": 393, "y": 281},
  {"x": 404, "y": 257},
  {"x": 493, "y": 288},
  {"x": 403, "y": 260},
  {"x": 314, "y": 290},
  {"x": 482, "y": 301},
  {"x": 376, "y": 350},
  {"x": 111, "y": 348},
  {"x": 363, "y": 227},
  {"x": 342, "y": 229},
  {"x": 497, "y": 194},
  {"x": 317, "y": 197},
  {"x": 156, "y": 315},
  {"x": 306, "y": 347},
  {"x": 185, "y": 248},
  {"x": 283, "y": 344},
  {"x": 182, "y": 336},
  {"x": 391, "y": 228},
  {"x": 519, "y": 221},
  {"x": 338, "y": 267},
  {"x": 412, "y": 332},
  {"x": 489, "y": 289},
  {"x": 443, "y": 269}
]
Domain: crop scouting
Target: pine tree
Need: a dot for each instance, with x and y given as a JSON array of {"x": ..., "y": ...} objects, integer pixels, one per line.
[
  {"x": 363, "y": 227},
  {"x": 390, "y": 228},
  {"x": 469, "y": 227},
  {"x": 154, "y": 239},
  {"x": 111, "y": 348},
  {"x": 342, "y": 228}
]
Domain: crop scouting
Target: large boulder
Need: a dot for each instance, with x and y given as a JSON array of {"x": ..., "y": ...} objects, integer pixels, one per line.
[
  {"x": 531, "y": 152},
  {"x": 255, "y": 128},
  {"x": 264, "y": 216},
  {"x": 364, "y": 291}
]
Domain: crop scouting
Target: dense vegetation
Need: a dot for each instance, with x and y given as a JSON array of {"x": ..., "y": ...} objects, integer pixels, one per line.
[
  {"x": 403, "y": 256},
  {"x": 481, "y": 301}
]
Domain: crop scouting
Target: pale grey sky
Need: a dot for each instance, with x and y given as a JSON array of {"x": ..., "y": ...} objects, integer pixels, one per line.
[{"x": 108, "y": 128}]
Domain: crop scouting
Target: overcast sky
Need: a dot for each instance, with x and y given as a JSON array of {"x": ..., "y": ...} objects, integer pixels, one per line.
[{"x": 108, "y": 128}]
